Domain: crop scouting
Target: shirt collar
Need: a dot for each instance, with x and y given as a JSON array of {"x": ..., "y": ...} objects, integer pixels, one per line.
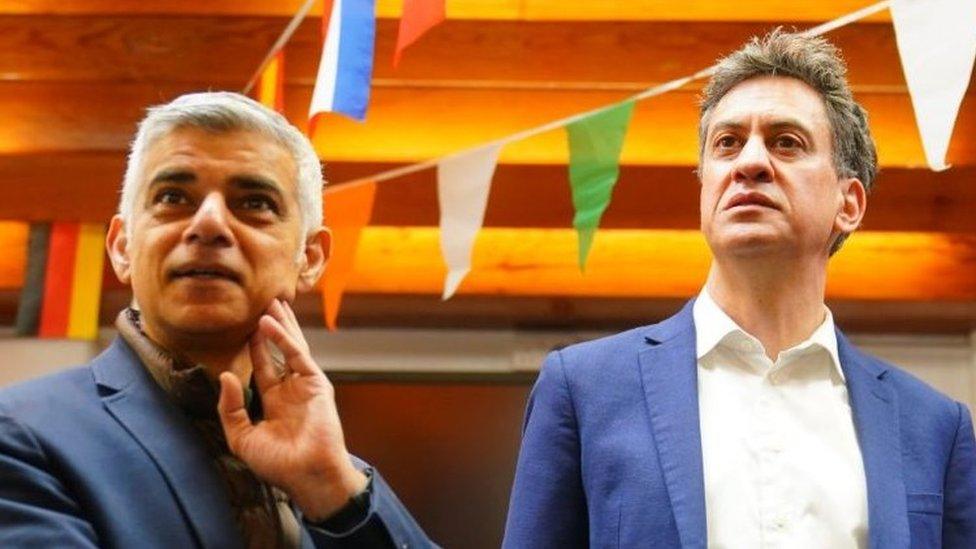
[{"x": 713, "y": 326}]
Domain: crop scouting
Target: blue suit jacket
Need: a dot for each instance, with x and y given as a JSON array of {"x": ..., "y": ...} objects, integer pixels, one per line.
[
  {"x": 98, "y": 456},
  {"x": 611, "y": 450}
]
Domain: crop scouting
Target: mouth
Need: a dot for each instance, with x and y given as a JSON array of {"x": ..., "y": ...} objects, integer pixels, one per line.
[
  {"x": 204, "y": 272},
  {"x": 743, "y": 200}
]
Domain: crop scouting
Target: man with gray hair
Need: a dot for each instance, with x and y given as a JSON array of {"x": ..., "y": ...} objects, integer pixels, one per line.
[
  {"x": 187, "y": 431},
  {"x": 747, "y": 420}
]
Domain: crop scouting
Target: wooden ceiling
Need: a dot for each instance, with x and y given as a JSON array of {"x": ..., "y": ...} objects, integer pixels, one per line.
[{"x": 75, "y": 77}]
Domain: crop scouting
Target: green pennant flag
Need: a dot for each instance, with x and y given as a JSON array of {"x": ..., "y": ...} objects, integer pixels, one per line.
[{"x": 594, "y": 165}]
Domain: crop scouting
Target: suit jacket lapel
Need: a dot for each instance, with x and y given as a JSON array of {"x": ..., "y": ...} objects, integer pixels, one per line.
[
  {"x": 670, "y": 376},
  {"x": 139, "y": 405},
  {"x": 874, "y": 406}
]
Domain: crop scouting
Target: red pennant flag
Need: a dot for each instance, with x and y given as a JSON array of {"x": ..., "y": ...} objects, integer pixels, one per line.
[
  {"x": 418, "y": 17},
  {"x": 347, "y": 211}
]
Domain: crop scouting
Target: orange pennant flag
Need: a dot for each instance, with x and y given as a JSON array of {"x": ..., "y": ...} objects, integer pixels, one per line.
[
  {"x": 347, "y": 211},
  {"x": 418, "y": 17},
  {"x": 271, "y": 84}
]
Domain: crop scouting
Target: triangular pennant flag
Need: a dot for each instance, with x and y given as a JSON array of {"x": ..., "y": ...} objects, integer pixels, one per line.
[
  {"x": 347, "y": 211},
  {"x": 937, "y": 44},
  {"x": 271, "y": 83},
  {"x": 463, "y": 183},
  {"x": 595, "y": 143},
  {"x": 418, "y": 17},
  {"x": 32, "y": 292},
  {"x": 346, "y": 67}
]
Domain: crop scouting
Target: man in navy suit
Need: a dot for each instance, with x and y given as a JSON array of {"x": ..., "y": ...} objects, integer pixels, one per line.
[
  {"x": 747, "y": 420},
  {"x": 186, "y": 431}
]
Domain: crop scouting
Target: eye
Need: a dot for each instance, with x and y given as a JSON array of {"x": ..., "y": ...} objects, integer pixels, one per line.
[
  {"x": 259, "y": 203},
  {"x": 170, "y": 197},
  {"x": 787, "y": 142},
  {"x": 726, "y": 142}
]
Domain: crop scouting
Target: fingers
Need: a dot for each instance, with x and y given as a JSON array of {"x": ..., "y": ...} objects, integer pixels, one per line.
[
  {"x": 297, "y": 357},
  {"x": 282, "y": 312},
  {"x": 230, "y": 408},
  {"x": 264, "y": 371}
]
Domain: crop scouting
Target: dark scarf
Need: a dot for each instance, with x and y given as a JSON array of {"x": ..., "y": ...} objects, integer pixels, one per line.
[{"x": 263, "y": 513}]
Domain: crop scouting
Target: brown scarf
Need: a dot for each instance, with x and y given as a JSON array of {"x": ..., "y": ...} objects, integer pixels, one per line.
[{"x": 263, "y": 512}]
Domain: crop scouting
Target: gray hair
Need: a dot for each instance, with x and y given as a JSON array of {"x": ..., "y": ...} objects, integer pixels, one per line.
[
  {"x": 224, "y": 112},
  {"x": 818, "y": 63}
]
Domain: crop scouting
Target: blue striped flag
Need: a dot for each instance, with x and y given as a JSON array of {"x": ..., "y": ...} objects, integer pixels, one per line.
[{"x": 346, "y": 66}]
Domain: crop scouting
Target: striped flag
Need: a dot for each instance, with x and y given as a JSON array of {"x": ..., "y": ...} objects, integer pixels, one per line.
[
  {"x": 63, "y": 286},
  {"x": 346, "y": 66}
]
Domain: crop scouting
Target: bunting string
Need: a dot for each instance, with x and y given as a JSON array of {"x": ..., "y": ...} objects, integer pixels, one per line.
[
  {"x": 278, "y": 44},
  {"x": 595, "y": 137},
  {"x": 653, "y": 91}
]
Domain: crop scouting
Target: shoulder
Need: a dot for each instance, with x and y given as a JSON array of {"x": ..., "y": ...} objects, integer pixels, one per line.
[
  {"x": 921, "y": 406},
  {"x": 603, "y": 357},
  {"x": 595, "y": 359},
  {"x": 47, "y": 394}
]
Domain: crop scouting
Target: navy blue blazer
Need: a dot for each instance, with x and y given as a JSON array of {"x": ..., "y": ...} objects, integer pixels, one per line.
[
  {"x": 97, "y": 456},
  {"x": 611, "y": 449}
]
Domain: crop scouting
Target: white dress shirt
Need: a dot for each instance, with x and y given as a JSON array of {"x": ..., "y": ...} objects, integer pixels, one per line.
[{"x": 781, "y": 459}]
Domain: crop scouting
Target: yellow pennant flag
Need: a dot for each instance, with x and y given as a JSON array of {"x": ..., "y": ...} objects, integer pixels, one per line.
[{"x": 271, "y": 84}]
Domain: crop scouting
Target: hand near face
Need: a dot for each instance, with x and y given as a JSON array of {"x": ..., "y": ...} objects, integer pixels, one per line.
[{"x": 298, "y": 446}]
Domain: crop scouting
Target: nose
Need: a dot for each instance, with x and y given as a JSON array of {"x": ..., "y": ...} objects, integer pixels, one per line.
[
  {"x": 752, "y": 165},
  {"x": 210, "y": 224}
]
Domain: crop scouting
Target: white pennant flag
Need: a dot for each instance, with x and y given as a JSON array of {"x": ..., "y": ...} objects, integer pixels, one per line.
[
  {"x": 463, "y": 182},
  {"x": 937, "y": 45}
]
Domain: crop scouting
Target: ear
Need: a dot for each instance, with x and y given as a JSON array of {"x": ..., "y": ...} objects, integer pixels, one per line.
[
  {"x": 854, "y": 203},
  {"x": 117, "y": 246},
  {"x": 318, "y": 246}
]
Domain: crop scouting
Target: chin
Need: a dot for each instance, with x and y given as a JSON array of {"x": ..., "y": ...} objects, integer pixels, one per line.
[
  {"x": 747, "y": 243},
  {"x": 210, "y": 318}
]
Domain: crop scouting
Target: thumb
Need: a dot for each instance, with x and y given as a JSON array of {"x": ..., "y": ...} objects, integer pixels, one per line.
[{"x": 230, "y": 408}]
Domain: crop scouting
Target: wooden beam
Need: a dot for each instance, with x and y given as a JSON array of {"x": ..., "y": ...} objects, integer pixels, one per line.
[
  {"x": 873, "y": 266},
  {"x": 407, "y": 125},
  {"x": 530, "y": 10},
  {"x": 622, "y": 263},
  {"x": 564, "y": 313},
  {"x": 85, "y": 187},
  {"x": 224, "y": 51}
]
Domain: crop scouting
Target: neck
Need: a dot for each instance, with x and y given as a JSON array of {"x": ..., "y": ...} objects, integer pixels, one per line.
[
  {"x": 215, "y": 352},
  {"x": 779, "y": 302}
]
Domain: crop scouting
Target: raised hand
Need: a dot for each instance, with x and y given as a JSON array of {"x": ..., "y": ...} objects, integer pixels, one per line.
[{"x": 298, "y": 446}]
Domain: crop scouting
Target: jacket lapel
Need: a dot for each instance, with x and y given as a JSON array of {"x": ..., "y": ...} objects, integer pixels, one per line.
[
  {"x": 670, "y": 376},
  {"x": 874, "y": 406},
  {"x": 132, "y": 397}
]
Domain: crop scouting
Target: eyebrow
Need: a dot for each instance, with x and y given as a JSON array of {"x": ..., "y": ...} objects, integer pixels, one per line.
[
  {"x": 247, "y": 182},
  {"x": 778, "y": 124},
  {"x": 173, "y": 175}
]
